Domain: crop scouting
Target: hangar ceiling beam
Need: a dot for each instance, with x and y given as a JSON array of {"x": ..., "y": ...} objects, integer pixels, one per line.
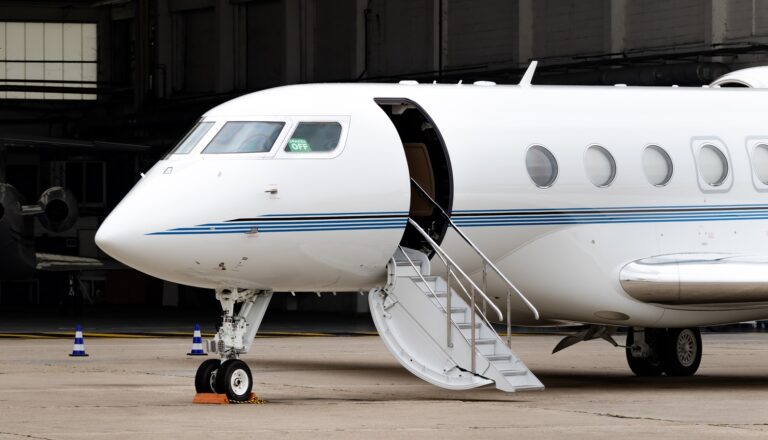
[{"x": 616, "y": 26}]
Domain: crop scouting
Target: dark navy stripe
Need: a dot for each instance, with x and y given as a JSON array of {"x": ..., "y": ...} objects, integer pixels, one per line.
[
  {"x": 561, "y": 212},
  {"x": 607, "y": 221},
  {"x": 304, "y": 222},
  {"x": 249, "y": 230},
  {"x": 339, "y": 216},
  {"x": 280, "y": 227},
  {"x": 325, "y": 214},
  {"x": 608, "y": 208},
  {"x": 690, "y": 216}
]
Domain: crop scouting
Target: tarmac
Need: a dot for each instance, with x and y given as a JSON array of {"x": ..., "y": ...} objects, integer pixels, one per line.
[{"x": 352, "y": 388}]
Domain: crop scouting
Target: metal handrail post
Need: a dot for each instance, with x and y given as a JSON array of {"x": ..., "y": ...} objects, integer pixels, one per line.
[
  {"x": 485, "y": 287},
  {"x": 448, "y": 319},
  {"x": 509, "y": 318},
  {"x": 474, "y": 337}
]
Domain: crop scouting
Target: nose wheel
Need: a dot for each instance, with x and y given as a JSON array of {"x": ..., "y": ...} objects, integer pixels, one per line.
[
  {"x": 234, "y": 379},
  {"x": 205, "y": 378},
  {"x": 231, "y": 377}
]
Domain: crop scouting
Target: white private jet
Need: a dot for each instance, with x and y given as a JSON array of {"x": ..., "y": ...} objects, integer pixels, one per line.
[{"x": 459, "y": 206}]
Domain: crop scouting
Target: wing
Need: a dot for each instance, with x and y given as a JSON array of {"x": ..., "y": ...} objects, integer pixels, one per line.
[{"x": 68, "y": 263}]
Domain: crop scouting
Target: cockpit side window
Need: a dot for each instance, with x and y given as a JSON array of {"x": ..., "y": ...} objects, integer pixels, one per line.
[
  {"x": 245, "y": 137},
  {"x": 190, "y": 140},
  {"x": 314, "y": 137}
]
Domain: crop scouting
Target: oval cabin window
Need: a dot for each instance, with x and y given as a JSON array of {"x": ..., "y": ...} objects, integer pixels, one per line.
[
  {"x": 657, "y": 165},
  {"x": 541, "y": 165},
  {"x": 760, "y": 163},
  {"x": 600, "y": 166},
  {"x": 713, "y": 165}
]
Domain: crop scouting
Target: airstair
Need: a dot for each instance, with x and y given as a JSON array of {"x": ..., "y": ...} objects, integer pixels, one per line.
[{"x": 435, "y": 326}]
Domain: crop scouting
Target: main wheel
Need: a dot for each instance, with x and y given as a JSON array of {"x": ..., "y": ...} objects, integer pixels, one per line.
[
  {"x": 681, "y": 351},
  {"x": 234, "y": 379},
  {"x": 650, "y": 366},
  {"x": 205, "y": 378}
]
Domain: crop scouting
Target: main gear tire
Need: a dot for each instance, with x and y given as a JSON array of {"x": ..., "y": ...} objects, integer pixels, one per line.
[
  {"x": 681, "y": 351},
  {"x": 647, "y": 366}
]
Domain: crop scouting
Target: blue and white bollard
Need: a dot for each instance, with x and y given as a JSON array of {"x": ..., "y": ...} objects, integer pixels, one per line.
[
  {"x": 197, "y": 343},
  {"x": 79, "y": 347}
]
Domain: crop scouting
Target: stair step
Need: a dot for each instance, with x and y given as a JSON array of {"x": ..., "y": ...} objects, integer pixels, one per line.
[
  {"x": 426, "y": 278},
  {"x": 509, "y": 373},
  {"x": 468, "y": 325},
  {"x": 485, "y": 341},
  {"x": 499, "y": 357},
  {"x": 458, "y": 309}
]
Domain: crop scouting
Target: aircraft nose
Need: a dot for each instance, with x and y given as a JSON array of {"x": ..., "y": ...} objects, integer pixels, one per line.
[
  {"x": 106, "y": 238},
  {"x": 114, "y": 237},
  {"x": 123, "y": 236}
]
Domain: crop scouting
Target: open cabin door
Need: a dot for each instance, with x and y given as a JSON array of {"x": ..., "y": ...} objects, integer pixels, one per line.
[{"x": 428, "y": 165}]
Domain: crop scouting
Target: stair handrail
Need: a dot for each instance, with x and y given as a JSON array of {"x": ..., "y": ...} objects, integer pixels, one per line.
[
  {"x": 424, "y": 280},
  {"x": 477, "y": 250},
  {"x": 440, "y": 250},
  {"x": 464, "y": 289}
]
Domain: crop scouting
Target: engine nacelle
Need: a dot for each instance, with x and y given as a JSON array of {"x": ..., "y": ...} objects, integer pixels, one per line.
[
  {"x": 753, "y": 77},
  {"x": 59, "y": 209},
  {"x": 17, "y": 250}
]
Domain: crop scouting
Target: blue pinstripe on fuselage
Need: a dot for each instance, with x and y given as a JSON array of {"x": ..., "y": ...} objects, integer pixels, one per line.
[{"x": 477, "y": 218}]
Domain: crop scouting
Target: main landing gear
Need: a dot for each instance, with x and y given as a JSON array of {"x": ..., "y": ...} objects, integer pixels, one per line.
[
  {"x": 230, "y": 375},
  {"x": 674, "y": 351}
]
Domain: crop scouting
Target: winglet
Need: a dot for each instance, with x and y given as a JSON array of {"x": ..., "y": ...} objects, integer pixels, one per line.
[{"x": 525, "y": 81}]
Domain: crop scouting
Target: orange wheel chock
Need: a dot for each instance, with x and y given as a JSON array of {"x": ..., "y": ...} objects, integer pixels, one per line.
[
  {"x": 221, "y": 399},
  {"x": 211, "y": 398}
]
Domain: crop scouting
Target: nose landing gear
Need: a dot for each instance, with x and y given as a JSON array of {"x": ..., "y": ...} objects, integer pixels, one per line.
[{"x": 230, "y": 375}]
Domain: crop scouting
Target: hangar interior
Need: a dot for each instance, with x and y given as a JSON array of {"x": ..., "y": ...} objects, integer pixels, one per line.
[{"x": 93, "y": 92}]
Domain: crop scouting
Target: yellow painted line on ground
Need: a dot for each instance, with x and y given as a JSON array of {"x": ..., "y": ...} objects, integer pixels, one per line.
[
  {"x": 279, "y": 334},
  {"x": 149, "y": 335},
  {"x": 25, "y": 336},
  {"x": 117, "y": 335}
]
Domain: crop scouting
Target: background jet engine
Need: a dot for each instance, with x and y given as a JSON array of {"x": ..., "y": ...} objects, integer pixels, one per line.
[{"x": 59, "y": 209}]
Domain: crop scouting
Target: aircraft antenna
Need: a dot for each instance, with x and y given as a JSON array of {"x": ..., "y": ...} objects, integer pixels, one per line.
[{"x": 525, "y": 81}]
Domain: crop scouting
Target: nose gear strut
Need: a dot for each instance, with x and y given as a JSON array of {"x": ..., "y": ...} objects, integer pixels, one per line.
[{"x": 233, "y": 338}]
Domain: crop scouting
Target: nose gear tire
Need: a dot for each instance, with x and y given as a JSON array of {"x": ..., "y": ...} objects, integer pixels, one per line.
[
  {"x": 234, "y": 379},
  {"x": 205, "y": 376}
]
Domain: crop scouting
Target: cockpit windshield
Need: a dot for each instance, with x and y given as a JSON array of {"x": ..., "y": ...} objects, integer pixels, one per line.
[
  {"x": 245, "y": 137},
  {"x": 190, "y": 140}
]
